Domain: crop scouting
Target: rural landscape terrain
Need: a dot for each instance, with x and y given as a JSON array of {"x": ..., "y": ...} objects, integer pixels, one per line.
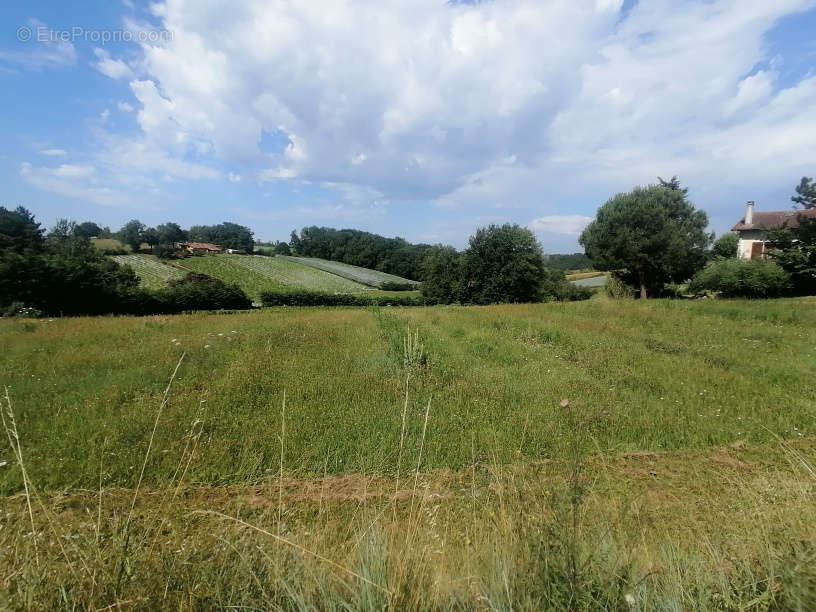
[{"x": 442, "y": 305}]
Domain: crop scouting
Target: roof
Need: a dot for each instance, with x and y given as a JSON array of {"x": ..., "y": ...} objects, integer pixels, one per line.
[
  {"x": 206, "y": 246},
  {"x": 770, "y": 219}
]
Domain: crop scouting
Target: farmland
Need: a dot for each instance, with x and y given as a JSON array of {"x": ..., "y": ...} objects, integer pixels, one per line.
[
  {"x": 255, "y": 274},
  {"x": 152, "y": 273},
  {"x": 372, "y": 278},
  {"x": 425, "y": 453}
]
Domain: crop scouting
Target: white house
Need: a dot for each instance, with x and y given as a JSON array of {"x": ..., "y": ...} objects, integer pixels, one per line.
[{"x": 753, "y": 228}]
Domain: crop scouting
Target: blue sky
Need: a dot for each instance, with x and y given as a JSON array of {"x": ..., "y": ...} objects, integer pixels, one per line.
[{"x": 424, "y": 119}]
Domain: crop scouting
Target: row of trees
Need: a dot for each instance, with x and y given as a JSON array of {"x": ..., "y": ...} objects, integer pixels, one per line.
[
  {"x": 63, "y": 273},
  {"x": 228, "y": 235},
  {"x": 392, "y": 255},
  {"x": 502, "y": 264}
]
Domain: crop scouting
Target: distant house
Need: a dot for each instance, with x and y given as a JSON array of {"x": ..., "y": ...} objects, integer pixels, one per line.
[
  {"x": 753, "y": 228},
  {"x": 198, "y": 247}
]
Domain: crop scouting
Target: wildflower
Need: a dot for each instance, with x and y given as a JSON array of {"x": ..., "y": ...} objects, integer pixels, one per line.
[
  {"x": 491, "y": 514},
  {"x": 206, "y": 346},
  {"x": 564, "y": 403}
]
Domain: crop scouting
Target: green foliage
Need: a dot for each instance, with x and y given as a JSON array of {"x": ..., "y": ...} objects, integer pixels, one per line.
[
  {"x": 201, "y": 292},
  {"x": 132, "y": 234},
  {"x": 805, "y": 193},
  {"x": 395, "y": 286},
  {"x": 363, "y": 249},
  {"x": 227, "y": 235},
  {"x": 442, "y": 275},
  {"x": 88, "y": 229},
  {"x": 573, "y": 261},
  {"x": 282, "y": 248},
  {"x": 19, "y": 232},
  {"x": 170, "y": 232},
  {"x": 795, "y": 250},
  {"x": 652, "y": 232},
  {"x": 503, "y": 264},
  {"x": 673, "y": 183},
  {"x": 751, "y": 278},
  {"x": 725, "y": 246},
  {"x": 313, "y": 298}
]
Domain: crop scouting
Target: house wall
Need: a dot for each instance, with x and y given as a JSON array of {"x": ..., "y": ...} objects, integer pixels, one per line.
[{"x": 746, "y": 242}]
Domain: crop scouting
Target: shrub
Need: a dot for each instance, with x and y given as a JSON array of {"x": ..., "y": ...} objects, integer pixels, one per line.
[
  {"x": 201, "y": 292},
  {"x": 617, "y": 289},
  {"x": 754, "y": 278},
  {"x": 396, "y": 286},
  {"x": 313, "y": 298},
  {"x": 19, "y": 309}
]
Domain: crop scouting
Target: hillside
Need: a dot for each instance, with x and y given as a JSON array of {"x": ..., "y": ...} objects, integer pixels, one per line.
[
  {"x": 255, "y": 274},
  {"x": 372, "y": 278},
  {"x": 152, "y": 273}
]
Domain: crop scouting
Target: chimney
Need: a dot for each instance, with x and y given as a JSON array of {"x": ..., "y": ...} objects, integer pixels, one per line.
[{"x": 749, "y": 213}]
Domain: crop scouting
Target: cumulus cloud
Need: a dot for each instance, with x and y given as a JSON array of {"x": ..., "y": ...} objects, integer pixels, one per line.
[
  {"x": 125, "y": 107},
  {"x": 54, "y": 152},
  {"x": 468, "y": 103}
]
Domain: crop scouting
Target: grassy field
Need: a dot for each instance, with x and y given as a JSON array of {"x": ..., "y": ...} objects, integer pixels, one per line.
[
  {"x": 152, "y": 273},
  {"x": 257, "y": 274},
  {"x": 422, "y": 458},
  {"x": 372, "y": 278}
]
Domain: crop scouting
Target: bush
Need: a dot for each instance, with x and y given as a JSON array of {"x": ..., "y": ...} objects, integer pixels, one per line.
[
  {"x": 555, "y": 286},
  {"x": 755, "y": 278},
  {"x": 313, "y": 298},
  {"x": 19, "y": 309},
  {"x": 397, "y": 286},
  {"x": 201, "y": 292},
  {"x": 617, "y": 289}
]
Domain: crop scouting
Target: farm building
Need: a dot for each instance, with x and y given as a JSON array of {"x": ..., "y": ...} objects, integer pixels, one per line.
[
  {"x": 198, "y": 247},
  {"x": 753, "y": 228}
]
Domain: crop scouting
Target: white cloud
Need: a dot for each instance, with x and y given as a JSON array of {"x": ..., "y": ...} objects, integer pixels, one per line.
[
  {"x": 232, "y": 177},
  {"x": 560, "y": 224},
  {"x": 71, "y": 182},
  {"x": 73, "y": 171},
  {"x": 54, "y": 152},
  {"x": 38, "y": 55},
  {"x": 125, "y": 107},
  {"x": 508, "y": 102},
  {"x": 112, "y": 68}
]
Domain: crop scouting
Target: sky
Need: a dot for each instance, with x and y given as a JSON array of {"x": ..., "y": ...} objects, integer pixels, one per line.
[{"x": 423, "y": 119}]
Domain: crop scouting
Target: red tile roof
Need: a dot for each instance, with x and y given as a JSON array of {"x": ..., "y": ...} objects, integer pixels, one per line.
[
  {"x": 775, "y": 218},
  {"x": 203, "y": 246}
]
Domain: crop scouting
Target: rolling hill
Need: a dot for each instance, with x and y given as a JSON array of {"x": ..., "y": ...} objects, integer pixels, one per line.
[
  {"x": 372, "y": 278},
  {"x": 255, "y": 274}
]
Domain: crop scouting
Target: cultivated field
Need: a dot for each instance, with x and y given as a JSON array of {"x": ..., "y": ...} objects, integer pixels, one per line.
[
  {"x": 152, "y": 273},
  {"x": 372, "y": 278},
  {"x": 255, "y": 274},
  {"x": 421, "y": 458}
]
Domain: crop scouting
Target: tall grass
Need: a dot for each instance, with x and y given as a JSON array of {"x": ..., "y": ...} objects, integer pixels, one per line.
[{"x": 420, "y": 460}]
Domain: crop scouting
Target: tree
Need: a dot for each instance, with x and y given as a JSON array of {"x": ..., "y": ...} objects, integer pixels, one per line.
[
  {"x": 294, "y": 242},
  {"x": 725, "y": 246},
  {"x": 442, "y": 274},
  {"x": 132, "y": 233},
  {"x": 282, "y": 248},
  {"x": 673, "y": 183},
  {"x": 795, "y": 250},
  {"x": 88, "y": 229},
  {"x": 151, "y": 237},
  {"x": 19, "y": 232},
  {"x": 806, "y": 190},
  {"x": 228, "y": 235},
  {"x": 503, "y": 263},
  {"x": 653, "y": 232},
  {"x": 169, "y": 233}
]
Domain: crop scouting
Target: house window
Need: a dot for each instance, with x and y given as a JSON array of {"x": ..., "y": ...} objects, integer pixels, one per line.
[{"x": 758, "y": 250}]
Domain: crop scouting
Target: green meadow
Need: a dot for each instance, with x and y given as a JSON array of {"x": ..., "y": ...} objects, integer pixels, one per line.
[{"x": 594, "y": 455}]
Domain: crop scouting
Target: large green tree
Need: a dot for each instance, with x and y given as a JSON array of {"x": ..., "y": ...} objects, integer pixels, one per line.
[
  {"x": 442, "y": 274},
  {"x": 805, "y": 193},
  {"x": 795, "y": 250},
  {"x": 652, "y": 233},
  {"x": 132, "y": 234},
  {"x": 228, "y": 235},
  {"x": 503, "y": 263}
]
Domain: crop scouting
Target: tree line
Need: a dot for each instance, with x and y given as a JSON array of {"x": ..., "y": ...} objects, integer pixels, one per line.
[{"x": 63, "y": 273}]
